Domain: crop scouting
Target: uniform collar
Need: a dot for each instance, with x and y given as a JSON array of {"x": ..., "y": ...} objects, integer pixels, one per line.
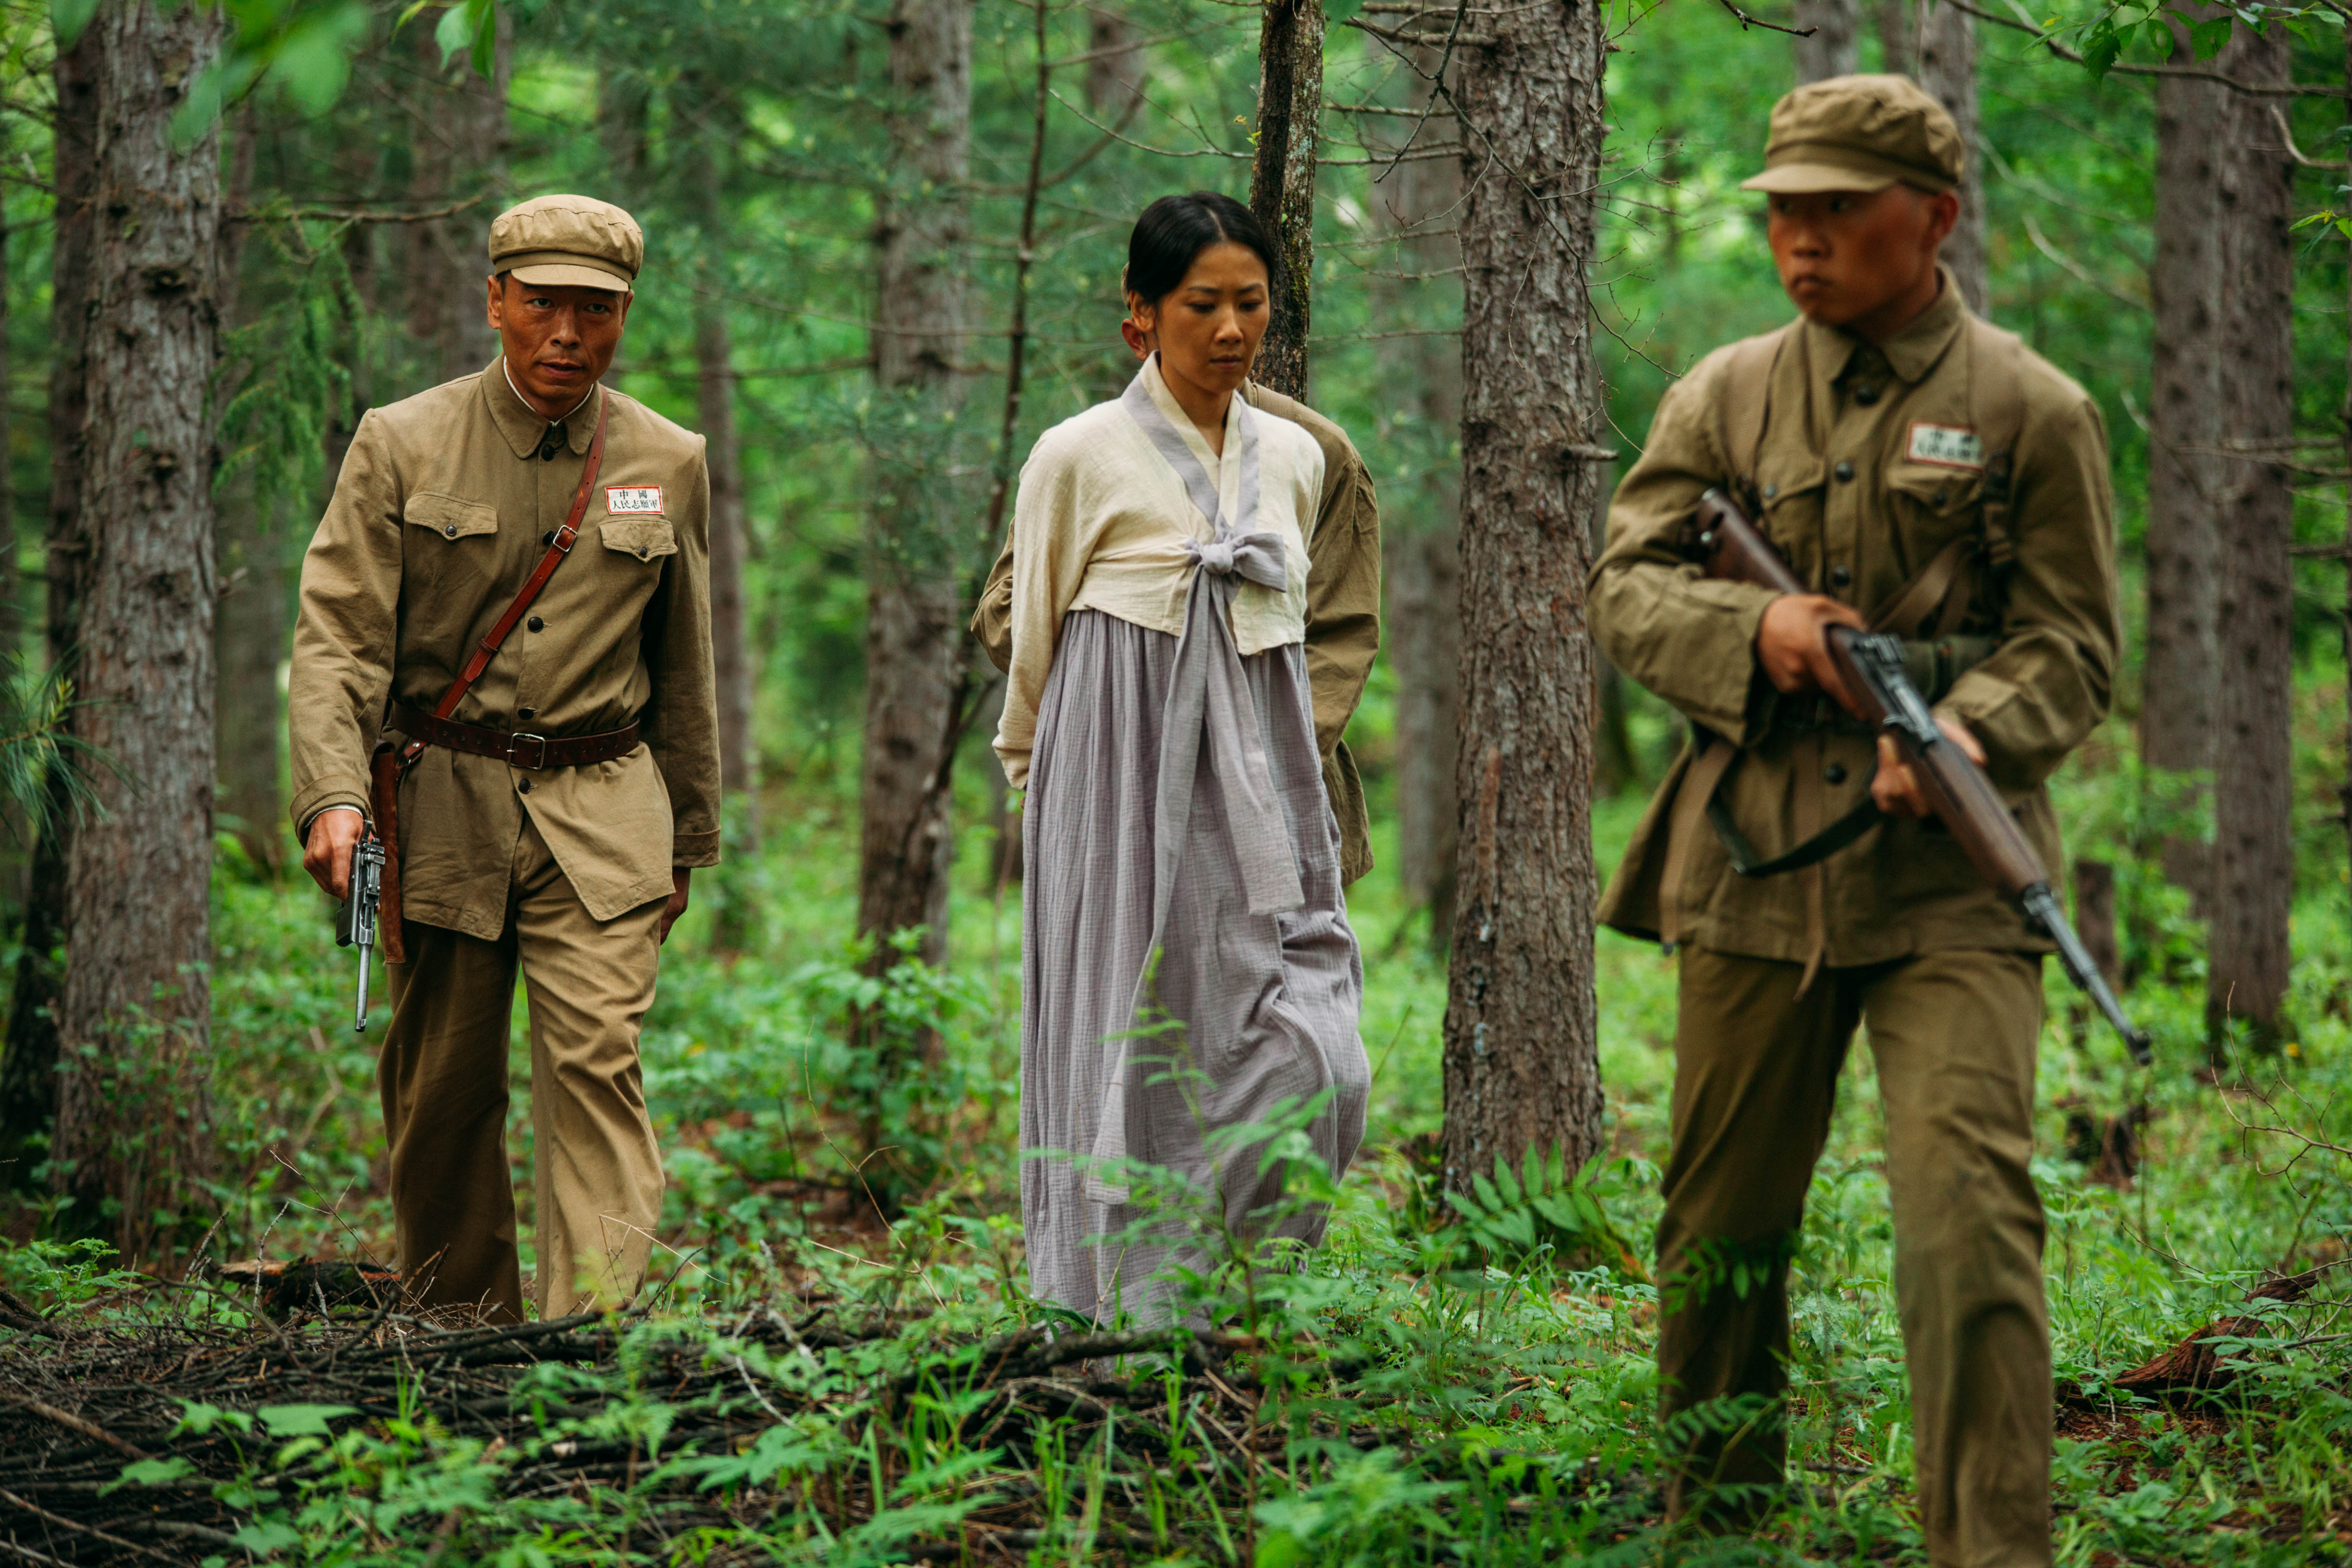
[
  {"x": 524, "y": 427},
  {"x": 1911, "y": 353}
]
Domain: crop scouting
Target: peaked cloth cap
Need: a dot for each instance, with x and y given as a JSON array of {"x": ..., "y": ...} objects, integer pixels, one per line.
[
  {"x": 1859, "y": 133},
  {"x": 579, "y": 241}
]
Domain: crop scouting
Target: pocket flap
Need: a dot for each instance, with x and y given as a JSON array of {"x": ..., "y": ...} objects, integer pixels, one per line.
[
  {"x": 643, "y": 537},
  {"x": 449, "y": 517},
  {"x": 1944, "y": 493}
]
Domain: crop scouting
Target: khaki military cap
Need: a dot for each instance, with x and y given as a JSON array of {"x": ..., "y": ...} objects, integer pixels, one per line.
[
  {"x": 1859, "y": 133},
  {"x": 576, "y": 240}
]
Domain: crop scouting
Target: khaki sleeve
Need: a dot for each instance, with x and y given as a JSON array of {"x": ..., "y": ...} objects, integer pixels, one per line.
[
  {"x": 682, "y": 719},
  {"x": 991, "y": 618},
  {"x": 1343, "y": 599},
  {"x": 2048, "y": 683},
  {"x": 1049, "y": 558},
  {"x": 1687, "y": 637},
  {"x": 342, "y": 669}
]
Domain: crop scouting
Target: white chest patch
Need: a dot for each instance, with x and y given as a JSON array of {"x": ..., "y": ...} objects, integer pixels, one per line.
[
  {"x": 619, "y": 499},
  {"x": 1946, "y": 447}
]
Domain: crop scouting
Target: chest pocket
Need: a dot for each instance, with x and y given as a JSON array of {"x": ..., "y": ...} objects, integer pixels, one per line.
[
  {"x": 641, "y": 538},
  {"x": 438, "y": 527},
  {"x": 449, "y": 517},
  {"x": 1791, "y": 489}
]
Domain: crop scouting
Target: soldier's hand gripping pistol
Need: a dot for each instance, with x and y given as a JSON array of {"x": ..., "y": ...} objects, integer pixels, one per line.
[
  {"x": 355, "y": 921},
  {"x": 1728, "y": 546}
]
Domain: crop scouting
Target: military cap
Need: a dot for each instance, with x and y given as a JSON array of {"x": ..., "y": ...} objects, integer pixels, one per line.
[
  {"x": 576, "y": 240},
  {"x": 1859, "y": 133}
]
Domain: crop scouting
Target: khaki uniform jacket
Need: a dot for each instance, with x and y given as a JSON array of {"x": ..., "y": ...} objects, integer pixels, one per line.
[
  {"x": 1343, "y": 613},
  {"x": 1869, "y": 462},
  {"x": 443, "y": 508}
]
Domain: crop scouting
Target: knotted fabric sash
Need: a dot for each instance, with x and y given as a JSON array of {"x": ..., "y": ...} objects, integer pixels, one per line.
[{"x": 1208, "y": 695}]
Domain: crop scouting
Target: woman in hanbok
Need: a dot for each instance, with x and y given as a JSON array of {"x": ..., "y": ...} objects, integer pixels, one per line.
[{"x": 1187, "y": 965}]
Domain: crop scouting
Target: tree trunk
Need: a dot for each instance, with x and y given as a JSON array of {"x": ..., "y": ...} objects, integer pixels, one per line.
[
  {"x": 2253, "y": 785},
  {"x": 28, "y": 1080},
  {"x": 1835, "y": 47},
  {"x": 1424, "y": 575},
  {"x": 461, "y": 152},
  {"x": 1422, "y": 532},
  {"x": 132, "y": 1121},
  {"x": 2185, "y": 482},
  {"x": 1898, "y": 37},
  {"x": 1948, "y": 70},
  {"x": 735, "y": 916},
  {"x": 1521, "y": 1067},
  {"x": 251, "y": 629},
  {"x": 922, "y": 535},
  {"x": 1114, "y": 65},
  {"x": 2344, "y": 794},
  {"x": 1282, "y": 180}
]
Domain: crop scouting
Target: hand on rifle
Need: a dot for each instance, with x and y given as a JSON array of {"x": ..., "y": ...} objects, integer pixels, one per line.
[
  {"x": 1792, "y": 644},
  {"x": 1897, "y": 787},
  {"x": 328, "y": 856}
]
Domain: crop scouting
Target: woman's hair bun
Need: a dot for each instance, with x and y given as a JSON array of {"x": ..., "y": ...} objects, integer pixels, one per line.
[{"x": 1173, "y": 231}]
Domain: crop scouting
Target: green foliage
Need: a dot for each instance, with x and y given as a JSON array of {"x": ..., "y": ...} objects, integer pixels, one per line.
[
  {"x": 59, "y": 1274},
  {"x": 1540, "y": 1206}
]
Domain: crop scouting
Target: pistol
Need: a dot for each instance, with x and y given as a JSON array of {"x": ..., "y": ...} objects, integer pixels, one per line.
[
  {"x": 1728, "y": 546},
  {"x": 355, "y": 918}
]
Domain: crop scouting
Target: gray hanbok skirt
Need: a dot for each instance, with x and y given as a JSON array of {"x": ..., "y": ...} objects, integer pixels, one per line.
[{"x": 1261, "y": 1010}]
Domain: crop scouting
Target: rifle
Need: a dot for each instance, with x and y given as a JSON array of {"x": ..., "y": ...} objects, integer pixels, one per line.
[
  {"x": 1722, "y": 539},
  {"x": 355, "y": 920}
]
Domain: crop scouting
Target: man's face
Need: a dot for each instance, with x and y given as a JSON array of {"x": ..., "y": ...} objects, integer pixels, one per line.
[
  {"x": 1845, "y": 255},
  {"x": 559, "y": 339}
]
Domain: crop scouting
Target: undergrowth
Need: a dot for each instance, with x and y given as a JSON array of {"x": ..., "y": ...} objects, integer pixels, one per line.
[{"x": 1465, "y": 1379}]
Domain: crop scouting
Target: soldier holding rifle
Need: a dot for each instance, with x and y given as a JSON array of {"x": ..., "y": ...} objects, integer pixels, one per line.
[
  {"x": 1923, "y": 475},
  {"x": 502, "y": 667}
]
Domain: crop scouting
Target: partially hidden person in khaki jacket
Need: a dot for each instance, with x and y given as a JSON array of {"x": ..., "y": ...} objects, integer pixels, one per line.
[
  {"x": 446, "y": 504},
  {"x": 1925, "y": 472}
]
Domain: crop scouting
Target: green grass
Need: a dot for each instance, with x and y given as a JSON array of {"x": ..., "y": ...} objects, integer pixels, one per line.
[{"x": 1421, "y": 1400}]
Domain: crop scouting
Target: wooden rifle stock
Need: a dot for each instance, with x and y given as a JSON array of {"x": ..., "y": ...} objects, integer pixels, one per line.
[{"x": 1870, "y": 665}]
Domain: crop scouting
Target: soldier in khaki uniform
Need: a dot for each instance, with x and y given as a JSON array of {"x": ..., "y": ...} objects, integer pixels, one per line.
[
  {"x": 551, "y": 821},
  {"x": 1927, "y": 475}
]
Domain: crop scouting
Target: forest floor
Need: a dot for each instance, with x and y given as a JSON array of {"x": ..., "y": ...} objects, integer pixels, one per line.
[{"x": 837, "y": 1361}]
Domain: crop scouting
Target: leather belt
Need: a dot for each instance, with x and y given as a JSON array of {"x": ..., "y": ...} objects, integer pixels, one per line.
[{"x": 519, "y": 750}]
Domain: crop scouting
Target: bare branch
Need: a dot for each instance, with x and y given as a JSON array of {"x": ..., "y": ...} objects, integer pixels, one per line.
[{"x": 1746, "y": 21}]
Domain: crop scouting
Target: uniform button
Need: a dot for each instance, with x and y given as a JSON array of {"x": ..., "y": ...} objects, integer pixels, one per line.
[
  {"x": 1834, "y": 773},
  {"x": 641, "y": 552},
  {"x": 1865, "y": 395},
  {"x": 526, "y": 714},
  {"x": 547, "y": 538},
  {"x": 1845, "y": 472},
  {"x": 523, "y": 788},
  {"x": 547, "y": 454},
  {"x": 451, "y": 531},
  {"x": 1940, "y": 498},
  {"x": 1771, "y": 491},
  {"x": 1841, "y": 577},
  {"x": 536, "y": 624}
]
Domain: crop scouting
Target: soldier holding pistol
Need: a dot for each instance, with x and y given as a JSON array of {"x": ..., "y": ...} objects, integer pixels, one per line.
[
  {"x": 1924, "y": 474},
  {"x": 545, "y": 814}
]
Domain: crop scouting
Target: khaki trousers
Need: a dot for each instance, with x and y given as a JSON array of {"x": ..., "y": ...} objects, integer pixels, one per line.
[
  {"x": 596, "y": 1173},
  {"x": 1756, "y": 1069}
]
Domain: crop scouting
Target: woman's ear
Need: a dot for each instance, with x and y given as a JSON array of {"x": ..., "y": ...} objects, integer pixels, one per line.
[{"x": 1138, "y": 327}]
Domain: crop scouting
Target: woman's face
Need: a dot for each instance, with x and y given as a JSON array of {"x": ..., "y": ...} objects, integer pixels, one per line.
[{"x": 1207, "y": 328}]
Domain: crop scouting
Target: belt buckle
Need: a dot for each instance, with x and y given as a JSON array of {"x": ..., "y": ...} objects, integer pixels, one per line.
[{"x": 514, "y": 762}]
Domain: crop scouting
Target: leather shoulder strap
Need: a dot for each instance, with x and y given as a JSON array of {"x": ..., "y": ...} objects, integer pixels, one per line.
[
  {"x": 560, "y": 547},
  {"x": 1745, "y": 400}
]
